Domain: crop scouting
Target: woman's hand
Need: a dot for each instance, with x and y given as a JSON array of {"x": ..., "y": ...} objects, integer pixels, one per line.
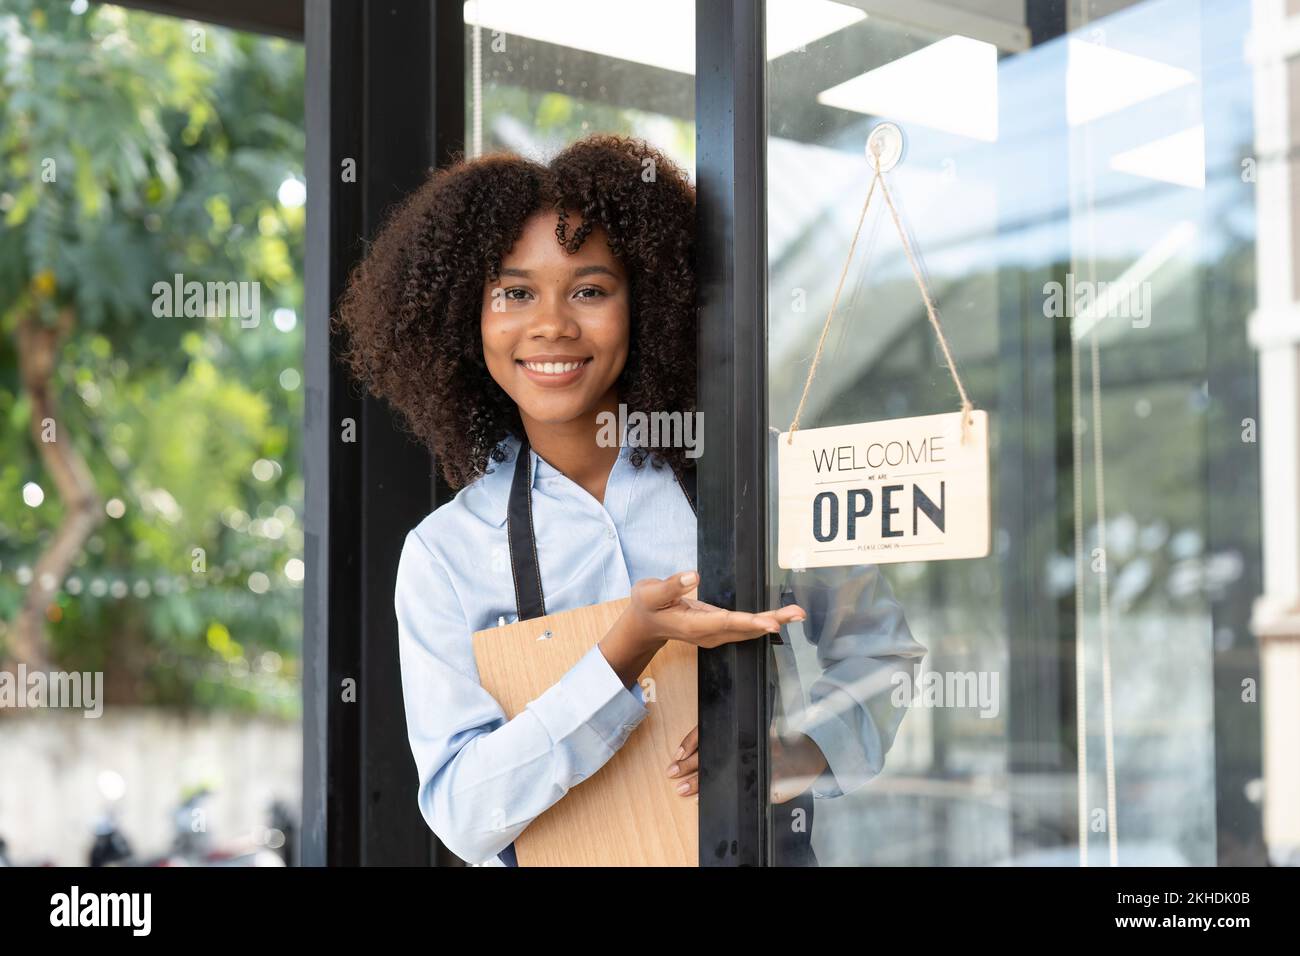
[
  {"x": 687, "y": 764},
  {"x": 667, "y": 610},
  {"x": 796, "y": 763}
]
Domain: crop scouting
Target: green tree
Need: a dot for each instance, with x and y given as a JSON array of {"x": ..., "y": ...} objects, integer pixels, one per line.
[{"x": 133, "y": 148}]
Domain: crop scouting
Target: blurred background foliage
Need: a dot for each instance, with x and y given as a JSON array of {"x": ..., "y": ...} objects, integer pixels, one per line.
[{"x": 134, "y": 148}]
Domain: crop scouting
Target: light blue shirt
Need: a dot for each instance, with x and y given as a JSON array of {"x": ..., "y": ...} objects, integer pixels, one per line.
[{"x": 483, "y": 779}]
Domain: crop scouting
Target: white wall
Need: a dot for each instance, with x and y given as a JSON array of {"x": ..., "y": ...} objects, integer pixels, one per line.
[{"x": 50, "y": 762}]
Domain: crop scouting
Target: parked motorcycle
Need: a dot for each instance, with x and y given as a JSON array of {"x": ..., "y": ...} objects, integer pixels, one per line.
[
  {"x": 191, "y": 844},
  {"x": 110, "y": 846}
]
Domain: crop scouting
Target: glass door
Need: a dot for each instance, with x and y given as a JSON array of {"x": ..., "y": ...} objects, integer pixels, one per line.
[{"x": 1075, "y": 193}]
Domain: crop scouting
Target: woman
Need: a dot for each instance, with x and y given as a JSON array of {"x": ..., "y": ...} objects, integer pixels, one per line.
[{"x": 507, "y": 310}]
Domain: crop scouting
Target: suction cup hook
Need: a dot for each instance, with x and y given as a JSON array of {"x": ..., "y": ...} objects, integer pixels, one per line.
[{"x": 886, "y": 142}]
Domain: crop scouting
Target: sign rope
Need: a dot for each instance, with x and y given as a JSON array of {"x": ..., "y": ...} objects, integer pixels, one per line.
[{"x": 930, "y": 311}]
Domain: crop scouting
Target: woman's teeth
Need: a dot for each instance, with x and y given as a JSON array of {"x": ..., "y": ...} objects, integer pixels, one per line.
[{"x": 553, "y": 368}]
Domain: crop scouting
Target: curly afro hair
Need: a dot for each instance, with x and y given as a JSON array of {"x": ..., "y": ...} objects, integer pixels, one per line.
[{"x": 411, "y": 309}]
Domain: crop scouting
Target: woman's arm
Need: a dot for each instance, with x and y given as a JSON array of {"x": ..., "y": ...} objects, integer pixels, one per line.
[
  {"x": 628, "y": 651},
  {"x": 483, "y": 779},
  {"x": 667, "y": 609},
  {"x": 863, "y": 643}
]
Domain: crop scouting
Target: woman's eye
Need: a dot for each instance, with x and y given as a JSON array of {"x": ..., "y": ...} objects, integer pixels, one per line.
[{"x": 522, "y": 294}]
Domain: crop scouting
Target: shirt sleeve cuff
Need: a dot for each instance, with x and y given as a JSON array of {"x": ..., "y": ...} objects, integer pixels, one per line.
[
  {"x": 591, "y": 696},
  {"x": 847, "y": 767}
]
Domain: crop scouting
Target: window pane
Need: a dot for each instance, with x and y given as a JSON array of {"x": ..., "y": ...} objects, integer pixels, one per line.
[
  {"x": 540, "y": 76},
  {"x": 151, "y": 490},
  {"x": 1081, "y": 217}
]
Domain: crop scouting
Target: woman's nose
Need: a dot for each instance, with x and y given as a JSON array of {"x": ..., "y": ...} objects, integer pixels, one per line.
[{"x": 553, "y": 320}]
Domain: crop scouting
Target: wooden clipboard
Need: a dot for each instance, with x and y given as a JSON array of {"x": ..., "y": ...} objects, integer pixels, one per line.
[{"x": 628, "y": 813}]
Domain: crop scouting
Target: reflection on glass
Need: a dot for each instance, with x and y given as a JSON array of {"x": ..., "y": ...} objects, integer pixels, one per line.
[
  {"x": 1088, "y": 237},
  {"x": 540, "y": 76}
]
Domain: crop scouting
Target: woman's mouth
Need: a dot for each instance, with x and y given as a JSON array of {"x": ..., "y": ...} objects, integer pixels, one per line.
[{"x": 554, "y": 373}]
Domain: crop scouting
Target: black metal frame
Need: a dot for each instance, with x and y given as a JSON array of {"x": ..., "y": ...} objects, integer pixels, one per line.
[
  {"x": 731, "y": 173},
  {"x": 385, "y": 88},
  {"x": 329, "y": 607}
]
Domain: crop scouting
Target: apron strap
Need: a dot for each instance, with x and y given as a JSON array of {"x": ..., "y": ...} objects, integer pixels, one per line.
[
  {"x": 524, "y": 567},
  {"x": 686, "y": 479},
  {"x": 523, "y": 543}
]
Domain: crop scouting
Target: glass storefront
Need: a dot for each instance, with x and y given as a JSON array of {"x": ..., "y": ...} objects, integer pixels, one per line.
[
  {"x": 538, "y": 77},
  {"x": 1101, "y": 198},
  {"x": 1082, "y": 198},
  {"x": 1081, "y": 184}
]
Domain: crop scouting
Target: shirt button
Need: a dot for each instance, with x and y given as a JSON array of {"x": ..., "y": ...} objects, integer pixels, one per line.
[{"x": 609, "y": 533}]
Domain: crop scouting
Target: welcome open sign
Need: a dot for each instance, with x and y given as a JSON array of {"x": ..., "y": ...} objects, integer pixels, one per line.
[{"x": 908, "y": 489}]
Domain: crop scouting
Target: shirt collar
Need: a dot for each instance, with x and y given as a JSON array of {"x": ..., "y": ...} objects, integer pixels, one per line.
[{"x": 496, "y": 484}]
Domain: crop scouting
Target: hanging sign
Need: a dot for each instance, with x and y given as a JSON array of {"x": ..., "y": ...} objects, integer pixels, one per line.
[{"x": 909, "y": 489}]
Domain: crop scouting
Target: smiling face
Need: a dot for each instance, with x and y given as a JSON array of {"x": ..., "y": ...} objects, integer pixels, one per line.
[{"x": 555, "y": 325}]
